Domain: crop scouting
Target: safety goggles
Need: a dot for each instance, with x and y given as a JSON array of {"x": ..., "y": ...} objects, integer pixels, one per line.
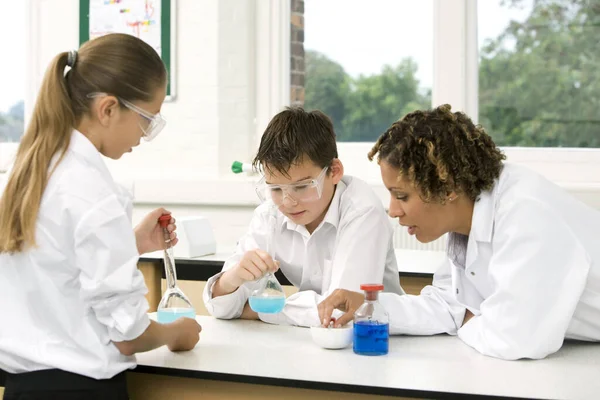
[
  {"x": 305, "y": 191},
  {"x": 155, "y": 125}
]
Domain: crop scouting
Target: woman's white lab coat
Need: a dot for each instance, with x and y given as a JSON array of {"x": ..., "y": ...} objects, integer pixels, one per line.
[{"x": 530, "y": 275}]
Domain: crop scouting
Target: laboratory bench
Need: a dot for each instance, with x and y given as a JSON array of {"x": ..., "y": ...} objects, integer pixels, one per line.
[
  {"x": 416, "y": 268},
  {"x": 250, "y": 359},
  {"x": 415, "y": 271},
  {"x": 241, "y": 359}
]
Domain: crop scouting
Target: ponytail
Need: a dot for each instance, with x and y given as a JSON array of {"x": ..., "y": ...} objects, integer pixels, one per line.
[
  {"x": 48, "y": 133},
  {"x": 119, "y": 64}
]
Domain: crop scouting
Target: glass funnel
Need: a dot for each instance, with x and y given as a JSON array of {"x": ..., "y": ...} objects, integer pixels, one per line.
[
  {"x": 269, "y": 298},
  {"x": 174, "y": 304}
]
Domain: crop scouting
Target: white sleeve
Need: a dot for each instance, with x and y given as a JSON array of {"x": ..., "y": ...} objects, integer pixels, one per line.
[
  {"x": 351, "y": 266},
  {"x": 231, "y": 305},
  {"x": 539, "y": 271},
  {"x": 111, "y": 284},
  {"x": 432, "y": 312}
]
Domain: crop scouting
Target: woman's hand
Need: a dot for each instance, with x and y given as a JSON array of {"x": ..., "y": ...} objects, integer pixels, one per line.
[{"x": 343, "y": 300}]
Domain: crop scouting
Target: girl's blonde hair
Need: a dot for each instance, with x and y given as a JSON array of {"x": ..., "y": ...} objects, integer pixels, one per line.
[{"x": 118, "y": 64}]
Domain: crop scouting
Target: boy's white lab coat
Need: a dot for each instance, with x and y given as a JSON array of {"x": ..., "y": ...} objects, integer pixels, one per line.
[
  {"x": 531, "y": 275},
  {"x": 353, "y": 245}
]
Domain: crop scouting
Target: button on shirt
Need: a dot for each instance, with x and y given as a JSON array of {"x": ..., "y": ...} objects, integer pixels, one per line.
[
  {"x": 352, "y": 245},
  {"x": 65, "y": 301}
]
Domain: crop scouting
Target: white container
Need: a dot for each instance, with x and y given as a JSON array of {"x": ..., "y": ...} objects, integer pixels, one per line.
[
  {"x": 332, "y": 338},
  {"x": 196, "y": 237}
]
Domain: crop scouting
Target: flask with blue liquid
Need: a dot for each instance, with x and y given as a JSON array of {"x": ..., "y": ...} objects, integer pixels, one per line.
[
  {"x": 269, "y": 298},
  {"x": 174, "y": 303},
  {"x": 371, "y": 324}
]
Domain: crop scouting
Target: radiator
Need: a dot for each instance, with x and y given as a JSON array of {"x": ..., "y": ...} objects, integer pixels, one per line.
[{"x": 402, "y": 240}]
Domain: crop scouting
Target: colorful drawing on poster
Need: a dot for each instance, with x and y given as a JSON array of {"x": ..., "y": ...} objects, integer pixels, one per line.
[{"x": 141, "y": 18}]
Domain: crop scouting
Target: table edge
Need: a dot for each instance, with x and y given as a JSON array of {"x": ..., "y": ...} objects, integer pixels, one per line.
[{"x": 303, "y": 384}]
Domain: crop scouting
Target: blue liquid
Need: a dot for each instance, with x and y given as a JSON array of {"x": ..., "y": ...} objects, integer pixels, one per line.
[
  {"x": 371, "y": 338},
  {"x": 267, "y": 305},
  {"x": 168, "y": 315}
]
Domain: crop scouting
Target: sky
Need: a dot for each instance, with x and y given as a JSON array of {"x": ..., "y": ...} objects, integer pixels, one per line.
[
  {"x": 401, "y": 28},
  {"x": 361, "y": 45}
]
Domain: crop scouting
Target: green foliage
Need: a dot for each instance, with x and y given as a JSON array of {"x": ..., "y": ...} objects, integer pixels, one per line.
[
  {"x": 539, "y": 81},
  {"x": 362, "y": 108},
  {"x": 12, "y": 124},
  {"x": 327, "y": 87}
]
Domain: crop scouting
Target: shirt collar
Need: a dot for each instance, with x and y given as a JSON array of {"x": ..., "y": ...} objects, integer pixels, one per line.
[
  {"x": 83, "y": 147},
  {"x": 482, "y": 223}
]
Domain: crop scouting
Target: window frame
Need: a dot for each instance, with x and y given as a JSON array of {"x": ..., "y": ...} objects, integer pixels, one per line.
[{"x": 456, "y": 83}]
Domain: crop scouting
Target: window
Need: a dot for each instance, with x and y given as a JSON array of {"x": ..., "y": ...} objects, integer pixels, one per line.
[
  {"x": 366, "y": 72},
  {"x": 12, "y": 70},
  {"x": 538, "y": 72}
]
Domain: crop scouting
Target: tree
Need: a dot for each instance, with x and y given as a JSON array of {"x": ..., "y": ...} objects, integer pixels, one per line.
[
  {"x": 378, "y": 100},
  {"x": 327, "y": 87},
  {"x": 17, "y": 111},
  {"x": 12, "y": 123},
  {"x": 539, "y": 80},
  {"x": 362, "y": 108}
]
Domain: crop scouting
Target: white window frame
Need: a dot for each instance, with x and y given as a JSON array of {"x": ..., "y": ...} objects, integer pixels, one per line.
[
  {"x": 456, "y": 77},
  {"x": 8, "y": 150},
  {"x": 455, "y": 82},
  {"x": 272, "y": 61}
]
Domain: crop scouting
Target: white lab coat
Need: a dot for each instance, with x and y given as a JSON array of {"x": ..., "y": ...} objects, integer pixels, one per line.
[
  {"x": 67, "y": 300},
  {"x": 531, "y": 275},
  {"x": 353, "y": 245}
]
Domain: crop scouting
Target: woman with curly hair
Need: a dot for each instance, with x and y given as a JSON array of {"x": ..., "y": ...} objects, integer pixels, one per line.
[{"x": 523, "y": 261}]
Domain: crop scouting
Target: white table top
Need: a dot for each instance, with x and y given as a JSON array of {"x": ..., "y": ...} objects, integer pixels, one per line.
[
  {"x": 256, "y": 350},
  {"x": 409, "y": 261}
]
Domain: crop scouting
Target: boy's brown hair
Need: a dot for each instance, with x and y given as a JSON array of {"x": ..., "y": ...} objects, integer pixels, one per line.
[{"x": 294, "y": 135}]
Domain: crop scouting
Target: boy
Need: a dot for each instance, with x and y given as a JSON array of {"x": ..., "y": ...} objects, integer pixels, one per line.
[{"x": 332, "y": 230}]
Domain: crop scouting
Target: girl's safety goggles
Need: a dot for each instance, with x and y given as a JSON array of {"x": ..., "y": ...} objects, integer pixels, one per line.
[{"x": 156, "y": 123}]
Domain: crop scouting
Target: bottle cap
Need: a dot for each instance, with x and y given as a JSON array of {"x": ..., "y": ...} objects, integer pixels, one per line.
[
  {"x": 371, "y": 287},
  {"x": 164, "y": 220},
  {"x": 237, "y": 167}
]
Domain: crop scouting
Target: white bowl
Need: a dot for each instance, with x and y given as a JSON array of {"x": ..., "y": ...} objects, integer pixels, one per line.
[{"x": 332, "y": 338}]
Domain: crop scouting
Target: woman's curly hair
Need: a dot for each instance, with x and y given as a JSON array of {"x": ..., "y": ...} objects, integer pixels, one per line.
[{"x": 439, "y": 152}]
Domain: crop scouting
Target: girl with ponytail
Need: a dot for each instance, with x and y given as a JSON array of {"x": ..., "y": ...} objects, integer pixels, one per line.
[{"x": 74, "y": 311}]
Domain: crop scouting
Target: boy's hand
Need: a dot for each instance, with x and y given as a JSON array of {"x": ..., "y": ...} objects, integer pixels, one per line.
[{"x": 253, "y": 265}]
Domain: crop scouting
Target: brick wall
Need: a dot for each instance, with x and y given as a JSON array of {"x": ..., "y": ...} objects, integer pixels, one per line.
[{"x": 297, "y": 53}]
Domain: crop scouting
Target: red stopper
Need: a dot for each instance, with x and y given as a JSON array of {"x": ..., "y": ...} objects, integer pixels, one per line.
[
  {"x": 164, "y": 220},
  {"x": 371, "y": 287}
]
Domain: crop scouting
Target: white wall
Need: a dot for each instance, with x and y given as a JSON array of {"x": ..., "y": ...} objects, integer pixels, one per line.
[
  {"x": 232, "y": 76},
  {"x": 211, "y": 120}
]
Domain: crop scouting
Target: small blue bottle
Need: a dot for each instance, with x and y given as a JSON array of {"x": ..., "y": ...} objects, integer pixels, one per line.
[{"x": 371, "y": 324}]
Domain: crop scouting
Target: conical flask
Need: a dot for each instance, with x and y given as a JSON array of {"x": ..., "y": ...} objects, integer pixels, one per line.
[
  {"x": 269, "y": 298},
  {"x": 174, "y": 303}
]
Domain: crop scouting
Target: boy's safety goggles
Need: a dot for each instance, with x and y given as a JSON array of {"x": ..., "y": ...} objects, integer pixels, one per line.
[{"x": 304, "y": 191}]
